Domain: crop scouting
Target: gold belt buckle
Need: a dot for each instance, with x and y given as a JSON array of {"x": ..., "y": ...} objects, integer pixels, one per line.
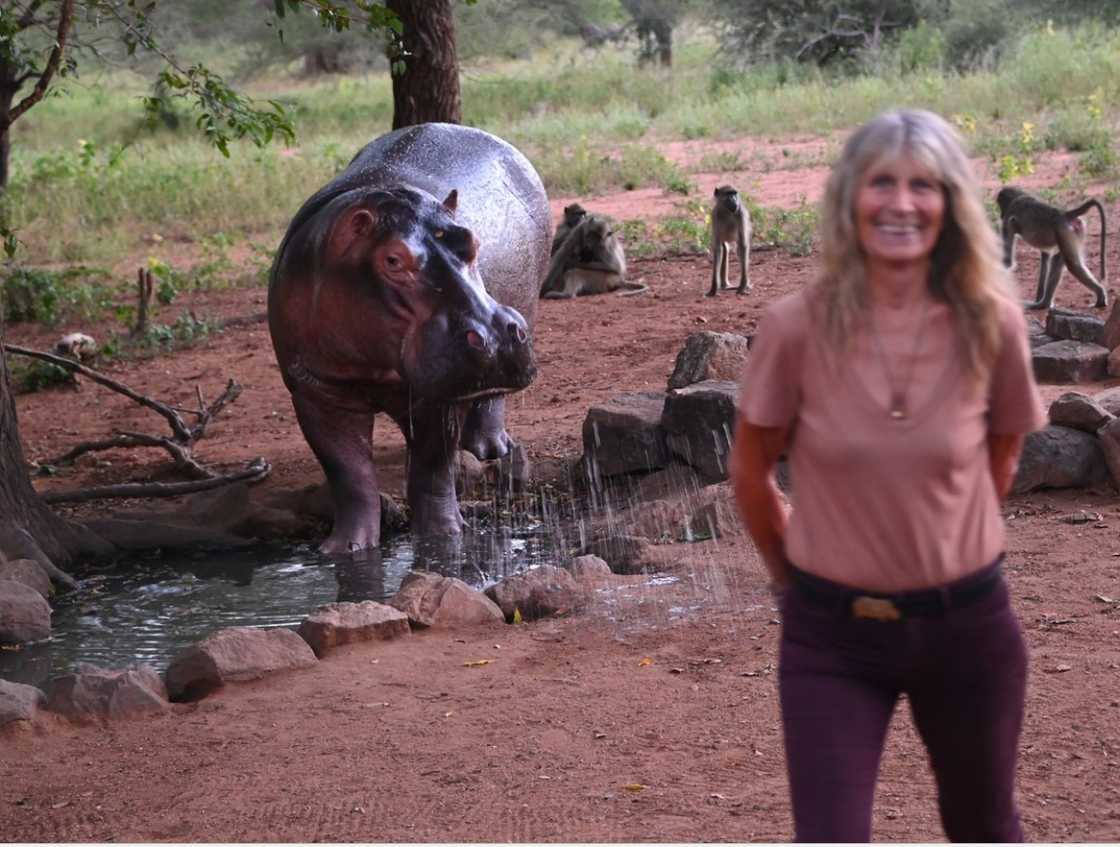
[{"x": 875, "y": 608}]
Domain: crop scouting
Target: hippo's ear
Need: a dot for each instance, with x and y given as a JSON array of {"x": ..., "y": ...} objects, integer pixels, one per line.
[
  {"x": 451, "y": 201},
  {"x": 353, "y": 226}
]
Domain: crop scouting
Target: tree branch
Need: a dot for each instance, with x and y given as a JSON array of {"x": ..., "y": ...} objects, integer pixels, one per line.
[
  {"x": 257, "y": 470},
  {"x": 65, "y": 15}
]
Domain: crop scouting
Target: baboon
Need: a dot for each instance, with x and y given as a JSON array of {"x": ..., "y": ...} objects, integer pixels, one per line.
[
  {"x": 590, "y": 261},
  {"x": 573, "y": 214},
  {"x": 731, "y": 224},
  {"x": 1058, "y": 235}
]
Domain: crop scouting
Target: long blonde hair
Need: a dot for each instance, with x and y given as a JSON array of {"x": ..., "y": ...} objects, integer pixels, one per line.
[{"x": 966, "y": 270}]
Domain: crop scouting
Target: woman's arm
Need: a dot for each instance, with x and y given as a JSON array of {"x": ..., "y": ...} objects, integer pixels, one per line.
[
  {"x": 753, "y": 457},
  {"x": 1003, "y": 456}
]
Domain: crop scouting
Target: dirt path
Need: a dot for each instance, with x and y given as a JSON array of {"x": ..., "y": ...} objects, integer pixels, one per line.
[{"x": 403, "y": 742}]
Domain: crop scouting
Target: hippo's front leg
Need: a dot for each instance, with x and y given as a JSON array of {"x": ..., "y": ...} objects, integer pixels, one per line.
[
  {"x": 342, "y": 442},
  {"x": 484, "y": 431},
  {"x": 433, "y": 439}
]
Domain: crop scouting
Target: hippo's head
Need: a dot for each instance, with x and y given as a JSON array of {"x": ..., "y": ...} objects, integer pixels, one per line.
[{"x": 397, "y": 296}]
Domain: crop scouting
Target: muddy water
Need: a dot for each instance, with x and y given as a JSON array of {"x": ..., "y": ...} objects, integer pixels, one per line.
[{"x": 149, "y": 609}]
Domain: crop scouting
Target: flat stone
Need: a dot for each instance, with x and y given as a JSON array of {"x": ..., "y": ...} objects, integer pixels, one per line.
[
  {"x": 1113, "y": 366},
  {"x": 1078, "y": 411},
  {"x": 1060, "y": 457},
  {"x": 699, "y": 421},
  {"x": 235, "y": 654},
  {"x": 1109, "y": 436},
  {"x": 1069, "y": 361},
  {"x": 624, "y": 435},
  {"x": 432, "y": 600},
  {"x": 1074, "y": 326},
  {"x": 97, "y": 693},
  {"x": 537, "y": 593},
  {"x": 1110, "y": 335},
  {"x": 710, "y": 355},
  {"x": 335, "y": 624},
  {"x": 24, "y": 614},
  {"x": 18, "y": 702},
  {"x": 27, "y": 572}
]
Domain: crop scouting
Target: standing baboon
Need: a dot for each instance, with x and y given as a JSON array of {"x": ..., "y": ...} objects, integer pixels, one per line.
[
  {"x": 1058, "y": 235},
  {"x": 731, "y": 224},
  {"x": 573, "y": 214},
  {"x": 590, "y": 261}
]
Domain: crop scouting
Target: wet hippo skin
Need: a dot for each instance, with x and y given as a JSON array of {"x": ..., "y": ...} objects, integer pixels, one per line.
[{"x": 408, "y": 285}]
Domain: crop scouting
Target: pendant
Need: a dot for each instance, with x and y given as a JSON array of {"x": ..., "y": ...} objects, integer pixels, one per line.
[
  {"x": 898, "y": 407},
  {"x": 898, "y": 414}
]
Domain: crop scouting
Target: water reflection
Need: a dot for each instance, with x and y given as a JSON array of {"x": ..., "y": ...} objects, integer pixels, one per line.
[{"x": 149, "y": 609}]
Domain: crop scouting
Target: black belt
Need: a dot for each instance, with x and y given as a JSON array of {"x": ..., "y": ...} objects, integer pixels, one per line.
[{"x": 892, "y": 607}]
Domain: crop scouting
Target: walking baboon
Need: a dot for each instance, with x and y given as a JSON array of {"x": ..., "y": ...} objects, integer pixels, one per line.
[
  {"x": 573, "y": 214},
  {"x": 1058, "y": 235},
  {"x": 731, "y": 224},
  {"x": 590, "y": 261}
]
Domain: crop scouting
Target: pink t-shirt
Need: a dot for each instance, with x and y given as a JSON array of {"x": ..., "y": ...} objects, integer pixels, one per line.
[{"x": 878, "y": 503}]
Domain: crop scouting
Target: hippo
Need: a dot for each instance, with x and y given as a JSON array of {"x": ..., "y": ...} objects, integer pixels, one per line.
[{"x": 408, "y": 285}]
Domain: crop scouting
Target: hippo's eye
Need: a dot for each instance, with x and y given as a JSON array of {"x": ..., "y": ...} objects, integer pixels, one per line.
[
  {"x": 393, "y": 262},
  {"x": 438, "y": 233}
]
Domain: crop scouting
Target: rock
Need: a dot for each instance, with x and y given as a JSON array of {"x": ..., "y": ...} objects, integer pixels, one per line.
[
  {"x": 96, "y": 693},
  {"x": 624, "y": 435},
  {"x": 1040, "y": 340},
  {"x": 315, "y": 500},
  {"x": 698, "y": 423},
  {"x": 1109, "y": 436},
  {"x": 1109, "y": 400},
  {"x": 704, "y": 523},
  {"x": 346, "y": 623},
  {"x": 1078, "y": 411},
  {"x": 154, "y": 534},
  {"x": 710, "y": 355},
  {"x": 537, "y": 593},
  {"x": 18, "y": 543},
  {"x": 515, "y": 470},
  {"x": 222, "y": 508},
  {"x": 590, "y": 568},
  {"x": 623, "y": 553},
  {"x": 1074, "y": 326},
  {"x": 470, "y": 473},
  {"x": 18, "y": 702},
  {"x": 27, "y": 572},
  {"x": 1110, "y": 335},
  {"x": 675, "y": 478},
  {"x": 1113, "y": 366},
  {"x": 1069, "y": 361},
  {"x": 432, "y": 600},
  {"x": 235, "y": 654},
  {"x": 1036, "y": 333},
  {"x": 24, "y": 614},
  {"x": 265, "y": 522},
  {"x": 1059, "y": 457}
]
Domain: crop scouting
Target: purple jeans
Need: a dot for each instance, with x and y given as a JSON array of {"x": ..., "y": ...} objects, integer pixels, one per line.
[{"x": 964, "y": 671}]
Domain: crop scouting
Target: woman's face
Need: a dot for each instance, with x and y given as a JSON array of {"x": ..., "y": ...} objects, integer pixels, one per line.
[{"x": 899, "y": 210}]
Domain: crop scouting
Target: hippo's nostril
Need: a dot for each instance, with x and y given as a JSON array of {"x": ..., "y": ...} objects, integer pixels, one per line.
[
  {"x": 475, "y": 340},
  {"x": 518, "y": 333}
]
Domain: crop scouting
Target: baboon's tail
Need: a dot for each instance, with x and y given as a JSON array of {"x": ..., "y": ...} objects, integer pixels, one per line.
[
  {"x": 633, "y": 288},
  {"x": 1081, "y": 210}
]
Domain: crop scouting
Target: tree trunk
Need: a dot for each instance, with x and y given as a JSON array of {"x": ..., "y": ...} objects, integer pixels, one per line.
[
  {"x": 663, "y": 31},
  {"x": 427, "y": 88},
  {"x": 8, "y": 90},
  {"x": 20, "y": 506}
]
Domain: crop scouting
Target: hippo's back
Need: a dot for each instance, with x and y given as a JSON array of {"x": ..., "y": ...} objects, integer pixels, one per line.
[{"x": 501, "y": 198}]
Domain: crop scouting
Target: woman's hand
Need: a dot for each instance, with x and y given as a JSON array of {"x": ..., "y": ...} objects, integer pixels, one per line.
[
  {"x": 753, "y": 456},
  {"x": 1003, "y": 456}
]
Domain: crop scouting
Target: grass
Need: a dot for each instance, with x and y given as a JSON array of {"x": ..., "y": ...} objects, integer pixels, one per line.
[{"x": 90, "y": 179}]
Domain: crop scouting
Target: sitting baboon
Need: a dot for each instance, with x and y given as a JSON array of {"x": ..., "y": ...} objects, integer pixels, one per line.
[
  {"x": 573, "y": 214},
  {"x": 1058, "y": 235},
  {"x": 590, "y": 261},
  {"x": 731, "y": 224}
]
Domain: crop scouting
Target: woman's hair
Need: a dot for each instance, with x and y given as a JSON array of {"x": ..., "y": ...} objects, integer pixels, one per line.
[{"x": 966, "y": 270}]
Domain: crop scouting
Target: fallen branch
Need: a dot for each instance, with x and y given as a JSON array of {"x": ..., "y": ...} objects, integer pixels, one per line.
[{"x": 257, "y": 470}]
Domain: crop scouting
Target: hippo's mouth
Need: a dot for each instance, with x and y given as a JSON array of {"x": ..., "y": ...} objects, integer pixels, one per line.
[{"x": 482, "y": 393}]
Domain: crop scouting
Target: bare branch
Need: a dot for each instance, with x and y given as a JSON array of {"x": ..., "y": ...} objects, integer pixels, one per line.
[
  {"x": 257, "y": 470},
  {"x": 65, "y": 15}
]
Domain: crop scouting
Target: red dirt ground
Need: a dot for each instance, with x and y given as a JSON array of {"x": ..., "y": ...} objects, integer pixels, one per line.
[{"x": 551, "y": 740}]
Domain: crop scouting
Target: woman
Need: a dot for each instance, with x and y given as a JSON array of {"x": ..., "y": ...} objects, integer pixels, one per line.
[{"x": 900, "y": 386}]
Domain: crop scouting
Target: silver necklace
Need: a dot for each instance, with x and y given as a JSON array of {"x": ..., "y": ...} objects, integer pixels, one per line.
[{"x": 897, "y": 409}]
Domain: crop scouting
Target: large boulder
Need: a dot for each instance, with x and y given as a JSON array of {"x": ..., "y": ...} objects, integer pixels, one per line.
[
  {"x": 235, "y": 654},
  {"x": 18, "y": 702},
  {"x": 624, "y": 435},
  {"x": 96, "y": 693},
  {"x": 1079, "y": 411},
  {"x": 1109, "y": 436},
  {"x": 699, "y": 421},
  {"x": 1059, "y": 457},
  {"x": 710, "y": 355},
  {"x": 1074, "y": 326},
  {"x": 24, "y": 614},
  {"x": 1069, "y": 361},
  {"x": 432, "y": 600},
  {"x": 1110, "y": 335},
  {"x": 1109, "y": 400},
  {"x": 590, "y": 569},
  {"x": 345, "y": 623},
  {"x": 27, "y": 572},
  {"x": 537, "y": 593}
]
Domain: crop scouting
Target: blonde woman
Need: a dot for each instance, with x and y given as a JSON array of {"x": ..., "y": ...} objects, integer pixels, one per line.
[{"x": 900, "y": 386}]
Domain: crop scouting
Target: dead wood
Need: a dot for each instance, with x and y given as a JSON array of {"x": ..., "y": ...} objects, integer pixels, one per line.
[{"x": 255, "y": 471}]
